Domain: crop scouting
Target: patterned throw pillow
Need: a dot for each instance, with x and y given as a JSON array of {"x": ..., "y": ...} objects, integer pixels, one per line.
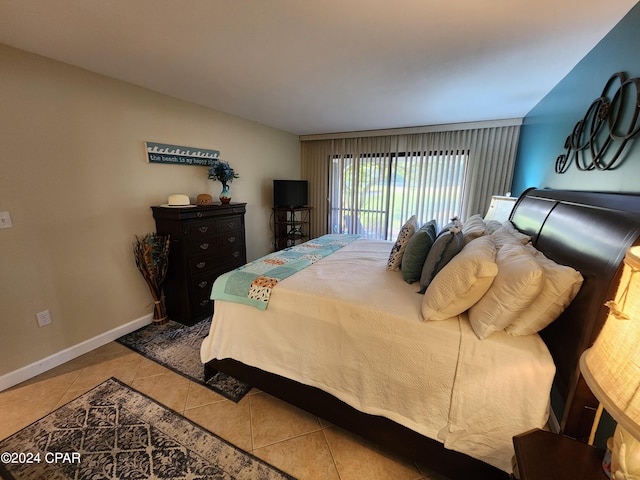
[{"x": 406, "y": 232}]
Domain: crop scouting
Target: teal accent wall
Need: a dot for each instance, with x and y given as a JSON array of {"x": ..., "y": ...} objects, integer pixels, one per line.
[{"x": 547, "y": 125}]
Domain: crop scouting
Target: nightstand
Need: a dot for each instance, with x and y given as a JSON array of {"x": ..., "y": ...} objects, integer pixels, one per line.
[{"x": 542, "y": 455}]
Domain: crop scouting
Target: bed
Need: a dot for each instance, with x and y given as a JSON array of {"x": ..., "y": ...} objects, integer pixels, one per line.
[{"x": 321, "y": 360}]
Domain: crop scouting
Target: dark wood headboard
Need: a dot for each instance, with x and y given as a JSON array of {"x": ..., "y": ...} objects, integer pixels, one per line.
[{"x": 589, "y": 231}]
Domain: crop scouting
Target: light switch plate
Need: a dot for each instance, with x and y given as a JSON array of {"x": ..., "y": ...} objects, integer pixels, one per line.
[{"x": 5, "y": 220}]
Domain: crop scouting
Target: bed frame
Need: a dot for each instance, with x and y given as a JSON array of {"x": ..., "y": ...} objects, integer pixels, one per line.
[{"x": 587, "y": 230}]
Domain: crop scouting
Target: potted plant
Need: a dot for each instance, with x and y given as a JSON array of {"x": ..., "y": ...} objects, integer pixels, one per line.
[{"x": 222, "y": 172}]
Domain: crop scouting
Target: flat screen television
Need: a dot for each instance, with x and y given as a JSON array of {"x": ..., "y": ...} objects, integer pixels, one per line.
[{"x": 290, "y": 193}]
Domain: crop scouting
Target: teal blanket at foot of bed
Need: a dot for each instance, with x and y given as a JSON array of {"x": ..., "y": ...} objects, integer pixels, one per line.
[{"x": 252, "y": 283}]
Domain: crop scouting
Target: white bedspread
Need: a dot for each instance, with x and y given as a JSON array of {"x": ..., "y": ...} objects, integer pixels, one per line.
[{"x": 352, "y": 328}]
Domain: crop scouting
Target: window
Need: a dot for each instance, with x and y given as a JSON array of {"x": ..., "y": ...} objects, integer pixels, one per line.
[
  {"x": 441, "y": 173},
  {"x": 374, "y": 194}
]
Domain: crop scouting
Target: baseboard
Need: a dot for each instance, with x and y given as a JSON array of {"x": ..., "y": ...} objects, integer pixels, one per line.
[{"x": 25, "y": 373}]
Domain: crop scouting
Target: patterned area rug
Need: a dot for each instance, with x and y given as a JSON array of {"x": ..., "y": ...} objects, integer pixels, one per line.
[
  {"x": 116, "y": 432},
  {"x": 177, "y": 347}
]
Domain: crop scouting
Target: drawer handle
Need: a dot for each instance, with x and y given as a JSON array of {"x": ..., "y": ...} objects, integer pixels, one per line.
[
  {"x": 204, "y": 246},
  {"x": 231, "y": 224},
  {"x": 231, "y": 239},
  {"x": 236, "y": 254},
  {"x": 203, "y": 284},
  {"x": 198, "y": 214},
  {"x": 203, "y": 229},
  {"x": 201, "y": 265},
  {"x": 204, "y": 302}
]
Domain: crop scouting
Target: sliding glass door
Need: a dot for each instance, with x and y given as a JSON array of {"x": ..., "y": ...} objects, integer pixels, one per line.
[{"x": 374, "y": 194}]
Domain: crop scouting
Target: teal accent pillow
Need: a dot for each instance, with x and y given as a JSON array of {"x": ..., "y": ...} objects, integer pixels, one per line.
[
  {"x": 416, "y": 252},
  {"x": 447, "y": 245}
]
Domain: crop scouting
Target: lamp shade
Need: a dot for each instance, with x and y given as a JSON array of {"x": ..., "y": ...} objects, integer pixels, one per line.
[{"x": 611, "y": 367}]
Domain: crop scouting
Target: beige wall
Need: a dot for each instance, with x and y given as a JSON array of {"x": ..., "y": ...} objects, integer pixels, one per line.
[{"x": 75, "y": 180}]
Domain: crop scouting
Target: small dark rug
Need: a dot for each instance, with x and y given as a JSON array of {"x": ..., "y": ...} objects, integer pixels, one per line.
[
  {"x": 177, "y": 347},
  {"x": 116, "y": 432}
]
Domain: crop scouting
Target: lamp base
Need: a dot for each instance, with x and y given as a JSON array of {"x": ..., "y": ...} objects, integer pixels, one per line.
[{"x": 625, "y": 456}]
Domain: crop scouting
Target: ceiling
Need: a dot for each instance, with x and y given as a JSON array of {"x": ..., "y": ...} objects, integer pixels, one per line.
[{"x": 321, "y": 66}]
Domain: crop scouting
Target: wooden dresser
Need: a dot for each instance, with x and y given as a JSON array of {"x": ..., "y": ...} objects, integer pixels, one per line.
[{"x": 205, "y": 243}]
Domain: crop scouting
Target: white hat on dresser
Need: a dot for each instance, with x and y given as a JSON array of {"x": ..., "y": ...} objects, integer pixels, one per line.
[{"x": 178, "y": 200}]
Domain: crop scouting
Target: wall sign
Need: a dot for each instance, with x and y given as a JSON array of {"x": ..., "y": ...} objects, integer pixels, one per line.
[
  {"x": 597, "y": 141},
  {"x": 177, "y": 155}
]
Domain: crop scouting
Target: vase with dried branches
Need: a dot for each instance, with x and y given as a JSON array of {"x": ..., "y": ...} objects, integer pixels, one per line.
[{"x": 151, "y": 252}]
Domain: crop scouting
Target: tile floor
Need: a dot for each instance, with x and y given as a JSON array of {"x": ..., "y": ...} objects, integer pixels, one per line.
[{"x": 288, "y": 438}]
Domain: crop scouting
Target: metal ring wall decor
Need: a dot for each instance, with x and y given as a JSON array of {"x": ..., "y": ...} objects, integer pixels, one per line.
[{"x": 606, "y": 127}]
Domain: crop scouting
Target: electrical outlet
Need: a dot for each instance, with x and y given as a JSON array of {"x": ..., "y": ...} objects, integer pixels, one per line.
[
  {"x": 5, "y": 220},
  {"x": 44, "y": 318}
]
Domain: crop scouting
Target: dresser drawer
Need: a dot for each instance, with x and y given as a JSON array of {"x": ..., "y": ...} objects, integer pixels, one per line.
[
  {"x": 226, "y": 259},
  {"x": 205, "y": 246},
  {"x": 200, "y": 288},
  {"x": 229, "y": 223},
  {"x": 204, "y": 282},
  {"x": 199, "y": 230},
  {"x": 202, "y": 285},
  {"x": 232, "y": 237},
  {"x": 202, "y": 265},
  {"x": 201, "y": 306},
  {"x": 231, "y": 257},
  {"x": 217, "y": 245}
]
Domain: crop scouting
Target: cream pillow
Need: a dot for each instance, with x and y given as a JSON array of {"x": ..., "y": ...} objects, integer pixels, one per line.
[
  {"x": 491, "y": 226},
  {"x": 518, "y": 283},
  {"x": 521, "y": 237},
  {"x": 561, "y": 285},
  {"x": 462, "y": 282},
  {"x": 473, "y": 227},
  {"x": 507, "y": 234}
]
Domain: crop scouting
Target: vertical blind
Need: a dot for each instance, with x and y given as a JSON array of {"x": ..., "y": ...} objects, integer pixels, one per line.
[{"x": 371, "y": 185}]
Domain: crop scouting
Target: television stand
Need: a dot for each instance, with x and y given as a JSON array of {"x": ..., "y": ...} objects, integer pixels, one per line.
[{"x": 291, "y": 226}]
